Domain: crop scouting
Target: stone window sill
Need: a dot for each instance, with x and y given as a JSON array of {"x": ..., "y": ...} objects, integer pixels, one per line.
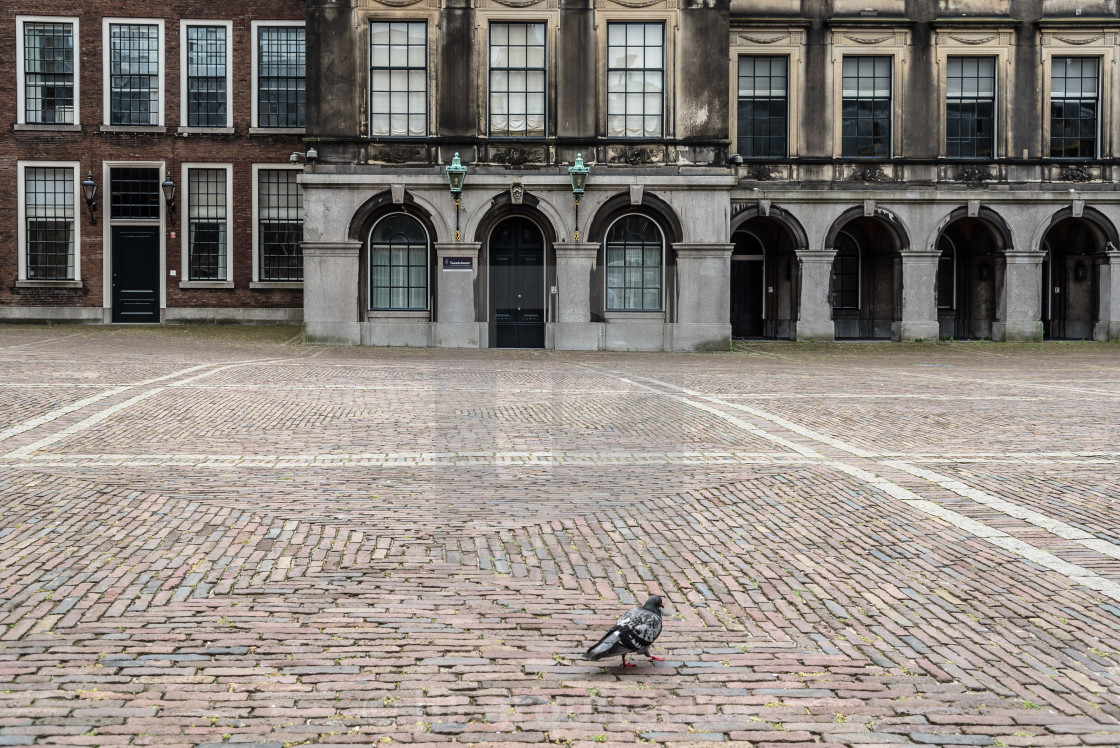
[
  {"x": 402, "y": 314},
  {"x": 47, "y": 128},
  {"x": 48, "y": 284},
  {"x": 277, "y": 130},
  {"x": 206, "y": 284},
  {"x": 276, "y": 285},
  {"x": 184, "y": 131},
  {"x": 134, "y": 129},
  {"x": 656, "y": 316}
]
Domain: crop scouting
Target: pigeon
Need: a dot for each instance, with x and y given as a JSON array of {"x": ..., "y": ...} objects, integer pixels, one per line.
[{"x": 635, "y": 631}]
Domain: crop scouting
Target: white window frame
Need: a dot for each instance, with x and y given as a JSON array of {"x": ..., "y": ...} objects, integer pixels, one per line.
[
  {"x": 1059, "y": 42},
  {"x": 869, "y": 42},
  {"x": 668, "y": 67},
  {"x": 770, "y": 42},
  {"x": 427, "y": 75},
  {"x": 976, "y": 42},
  {"x": 185, "y": 243},
  {"x": 105, "y": 196},
  {"x": 183, "y": 26},
  {"x": 548, "y": 53},
  {"x": 254, "y": 60},
  {"x": 21, "y": 230},
  {"x": 106, "y": 92},
  {"x": 257, "y": 282},
  {"x": 21, "y": 83},
  {"x": 664, "y": 254}
]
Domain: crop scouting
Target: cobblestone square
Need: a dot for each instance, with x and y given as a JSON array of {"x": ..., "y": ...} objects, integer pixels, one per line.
[{"x": 221, "y": 536}]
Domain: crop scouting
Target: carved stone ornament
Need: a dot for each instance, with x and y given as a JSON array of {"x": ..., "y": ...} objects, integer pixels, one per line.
[
  {"x": 514, "y": 156},
  {"x": 516, "y": 192},
  {"x": 866, "y": 40},
  {"x": 763, "y": 40},
  {"x": 1078, "y": 40},
  {"x": 868, "y": 174},
  {"x": 761, "y": 173},
  {"x": 396, "y": 154},
  {"x": 973, "y": 176},
  {"x": 1075, "y": 173},
  {"x": 634, "y": 156},
  {"x": 972, "y": 40}
]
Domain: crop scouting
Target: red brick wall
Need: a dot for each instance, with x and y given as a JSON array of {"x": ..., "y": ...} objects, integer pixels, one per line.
[{"x": 91, "y": 147}]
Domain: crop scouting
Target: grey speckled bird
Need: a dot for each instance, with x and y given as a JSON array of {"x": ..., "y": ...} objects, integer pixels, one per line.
[{"x": 635, "y": 631}]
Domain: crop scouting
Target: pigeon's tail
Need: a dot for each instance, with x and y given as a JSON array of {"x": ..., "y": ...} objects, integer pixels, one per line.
[{"x": 607, "y": 646}]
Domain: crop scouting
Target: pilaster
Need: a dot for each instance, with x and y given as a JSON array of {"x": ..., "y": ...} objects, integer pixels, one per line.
[
  {"x": 919, "y": 304},
  {"x": 1022, "y": 298},
  {"x": 456, "y": 319},
  {"x": 330, "y": 292},
  {"x": 814, "y": 308},
  {"x": 573, "y": 329}
]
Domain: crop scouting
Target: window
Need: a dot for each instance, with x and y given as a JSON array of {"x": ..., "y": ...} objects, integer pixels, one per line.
[
  {"x": 399, "y": 79},
  {"x": 398, "y": 264},
  {"x": 134, "y": 193},
  {"x": 279, "y": 225},
  {"x": 634, "y": 250},
  {"x": 946, "y": 276},
  {"x": 48, "y": 84},
  {"x": 635, "y": 79},
  {"x": 47, "y": 221},
  {"x": 845, "y": 274},
  {"x": 1073, "y": 107},
  {"x": 865, "y": 130},
  {"x": 517, "y": 79},
  {"x": 206, "y": 74},
  {"x": 207, "y": 223},
  {"x": 970, "y": 93},
  {"x": 280, "y": 72},
  {"x": 763, "y": 106},
  {"x": 135, "y": 80}
]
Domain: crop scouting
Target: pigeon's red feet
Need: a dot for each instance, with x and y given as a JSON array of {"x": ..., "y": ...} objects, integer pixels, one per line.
[
  {"x": 629, "y": 664},
  {"x": 659, "y": 659}
]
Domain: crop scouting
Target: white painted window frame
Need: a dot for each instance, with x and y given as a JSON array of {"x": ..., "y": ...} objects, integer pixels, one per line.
[
  {"x": 106, "y": 93},
  {"x": 184, "y": 24},
  {"x": 257, "y": 282},
  {"x": 21, "y": 83},
  {"x": 107, "y": 232},
  {"x": 184, "y": 221},
  {"x": 255, "y": 63},
  {"x": 664, "y": 254},
  {"x": 21, "y": 230}
]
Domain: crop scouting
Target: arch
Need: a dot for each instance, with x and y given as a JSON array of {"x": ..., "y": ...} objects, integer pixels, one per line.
[
  {"x": 381, "y": 204},
  {"x": 1106, "y": 231},
  {"x": 380, "y": 255},
  {"x": 652, "y": 206},
  {"x": 784, "y": 217},
  {"x": 502, "y": 206},
  {"x": 884, "y": 216},
  {"x": 1000, "y": 230}
]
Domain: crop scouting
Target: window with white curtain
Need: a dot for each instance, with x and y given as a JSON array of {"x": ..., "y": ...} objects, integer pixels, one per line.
[
  {"x": 398, "y": 79},
  {"x": 635, "y": 80},
  {"x": 517, "y": 79}
]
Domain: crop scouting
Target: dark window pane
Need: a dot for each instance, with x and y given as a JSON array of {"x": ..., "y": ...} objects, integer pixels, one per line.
[
  {"x": 281, "y": 76},
  {"x": 634, "y": 251},
  {"x": 49, "y": 223},
  {"x": 134, "y": 74},
  {"x": 866, "y": 109},
  {"x": 1073, "y": 107},
  {"x": 206, "y": 76},
  {"x": 279, "y": 225},
  {"x": 763, "y": 106},
  {"x": 48, "y": 64},
  {"x": 134, "y": 193}
]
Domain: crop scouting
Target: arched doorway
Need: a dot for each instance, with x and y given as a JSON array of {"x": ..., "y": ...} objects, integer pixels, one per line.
[
  {"x": 1071, "y": 279},
  {"x": 763, "y": 266},
  {"x": 969, "y": 279},
  {"x": 516, "y": 283},
  {"x": 865, "y": 279}
]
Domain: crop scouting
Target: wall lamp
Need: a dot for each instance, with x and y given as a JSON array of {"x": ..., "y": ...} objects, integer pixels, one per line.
[
  {"x": 311, "y": 156},
  {"x": 578, "y": 172},
  {"x": 456, "y": 175},
  {"x": 89, "y": 191},
  {"x": 168, "y": 187}
]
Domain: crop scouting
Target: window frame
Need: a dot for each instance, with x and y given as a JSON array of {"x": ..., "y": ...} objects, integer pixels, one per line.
[
  {"x": 184, "y": 24},
  {"x": 1049, "y": 110},
  {"x": 254, "y": 80},
  {"x": 106, "y": 74},
  {"x": 739, "y": 98},
  {"x": 428, "y": 250},
  {"x": 428, "y": 84},
  {"x": 185, "y": 249},
  {"x": 21, "y": 218},
  {"x": 770, "y": 42},
  {"x": 945, "y": 100},
  {"x": 952, "y": 251},
  {"x": 1059, "y": 40},
  {"x": 545, "y": 114},
  {"x": 21, "y": 80},
  {"x": 257, "y": 282},
  {"x": 606, "y": 266},
  {"x": 890, "y": 107},
  {"x": 859, "y": 40},
  {"x": 858, "y": 274},
  {"x": 648, "y": 20},
  {"x": 960, "y": 40}
]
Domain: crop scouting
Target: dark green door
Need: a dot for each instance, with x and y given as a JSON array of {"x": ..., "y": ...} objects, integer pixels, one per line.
[
  {"x": 746, "y": 298},
  {"x": 135, "y": 274},
  {"x": 517, "y": 285}
]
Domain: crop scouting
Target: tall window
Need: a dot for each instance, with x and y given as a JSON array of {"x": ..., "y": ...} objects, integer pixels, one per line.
[
  {"x": 207, "y": 226},
  {"x": 763, "y": 106},
  {"x": 398, "y": 264},
  {"x": 399, "y": 79},
  {"x": 517, "y": 79},
  {"x": 1074, "y": 91},
  {"x": 865, "y": 129},
  {"x": 48, "y": 214},
  {"x": 845, "y": 274},
  {"x": 48, "y": 73},
  {"x": 970, "y": 102},
  {"x": 635, "y": 79},
  {"x": 206, "y": 60},
  {"x": 279, "y": 225},
  {"x": 281, "y": 76},
  {"x": 634, "y": 251},
  {"x": 134, "y": 74}
]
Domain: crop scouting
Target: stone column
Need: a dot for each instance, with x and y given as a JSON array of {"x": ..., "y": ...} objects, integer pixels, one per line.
[
  {"x": 330, "y": 292},
  {"x": 814, "y": 307},
  {"x": 573, "y": 329},
  {"x": 1108, "y": 316},
  {"x": 919, "y": 304},
  {"x": 456, "y": 318},
  {"x": 1021, "y": 302},
  {"x": 703, "y": 297}
]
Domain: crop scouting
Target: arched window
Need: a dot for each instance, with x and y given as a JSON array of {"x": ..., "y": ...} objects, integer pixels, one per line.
[
  {"x": 635, "y": 250},
  {"x": 947, "y": 275},
  {"x": 845, "y": 273},
  {"x": 398, "y": 264}
]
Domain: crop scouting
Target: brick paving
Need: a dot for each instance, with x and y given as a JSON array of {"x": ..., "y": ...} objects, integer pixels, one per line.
[{"x": 218, "y": 536}]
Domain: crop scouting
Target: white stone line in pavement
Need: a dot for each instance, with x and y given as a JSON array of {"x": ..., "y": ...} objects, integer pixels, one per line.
[
  {"x": 32, "y": 343},
  {"x": 101, "y": 415},
  {"x": 860, "y": 396},
  {"x": 1073, "y": 572},
  {"x": 19, "y": 428}
]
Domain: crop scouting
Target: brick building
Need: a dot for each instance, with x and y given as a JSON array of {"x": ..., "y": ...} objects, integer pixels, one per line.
[{"x": 205, "y": 99}]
